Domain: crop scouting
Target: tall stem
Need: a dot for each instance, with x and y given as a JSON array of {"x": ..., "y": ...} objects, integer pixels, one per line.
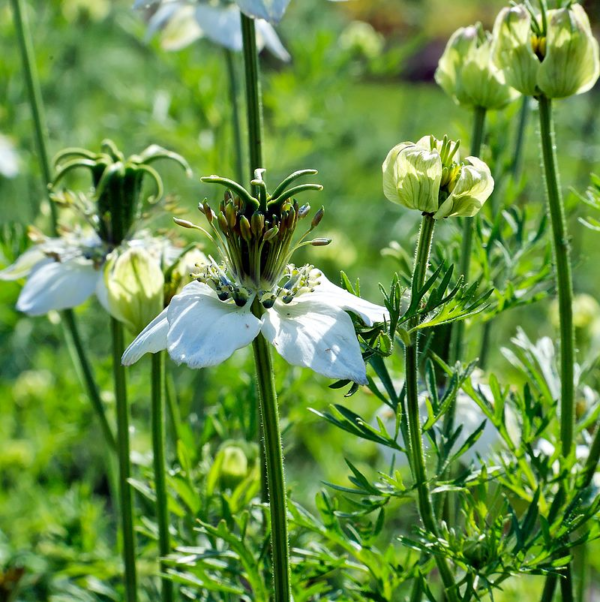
[
  {"x": 125, "y": 492},
  {"x": 235, "y": 115},
  {"x": 41, "y": 133},
  {"x": 253, "y": 95},
  {"x": 412, "y": 405},
  {"x": 458, "y": 329},
  {"x": 275, "y": 475},
  {"x": 160, "y": 480},
  {"x": 564, "y": 285},
  {"x": 563, "y": 276}
]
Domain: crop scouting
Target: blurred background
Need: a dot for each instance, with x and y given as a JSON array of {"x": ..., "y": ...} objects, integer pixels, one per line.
[{"x": 360, "y": 80}]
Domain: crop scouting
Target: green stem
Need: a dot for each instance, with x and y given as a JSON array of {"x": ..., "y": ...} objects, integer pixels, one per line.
[
  {"x": 274, "y": 462},
  {"x": 160, "y": 479},
  {"x": 41, "y": 131},
  {"x": 35, "y": 98},
  {"x": 253, "y": 95},
  {"x": 412, "y": 404},
  {"x": 125, "y": 492},
  {"x": 564, "y": 282},
  {"x": 549, "y": 588},
  {"x": 564, "y": 285},
  {"x": 235, "y": 115},
  {"x": 86, "y": 375},
  {"x": 517, "y": 162},
  {"x": 591, "y": 463},
  {"x": 464, "y": 266}
]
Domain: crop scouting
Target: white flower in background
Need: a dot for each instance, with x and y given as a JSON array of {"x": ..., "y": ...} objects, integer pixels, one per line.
[
  {"x": 9, "y": 160},
  {"x": 62, "y": 273},
  {"x": 256, "y": 290},
  {"x": 545, "y": 448},
  {"x": 182, "y": 22},
  {"x": 468, "y": 415}
]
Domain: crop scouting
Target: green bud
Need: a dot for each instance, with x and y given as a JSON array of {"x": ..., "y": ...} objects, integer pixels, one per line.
[
  {"x": 234, "y": 466},
  {"x": 430, "y": 177},
  {"x": 467, "y": 74},
  {"x": 562, "y": 61},
  {"x": 468, "y": 191},
  {"x": 572, "y": 62},
  {"x": 245, "y": 228},
  {"x": 412, "y": 174},
  {"x": 134, "y": 285}
]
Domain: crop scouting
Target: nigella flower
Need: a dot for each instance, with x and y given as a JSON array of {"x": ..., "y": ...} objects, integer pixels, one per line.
[
  {"x": 257, "y": 291},
  {"x": 182, "y": 22},
  {"x": 123, "y": 267}
]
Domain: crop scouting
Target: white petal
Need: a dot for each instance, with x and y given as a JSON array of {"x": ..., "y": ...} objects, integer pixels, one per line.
[
  {"x": 328, "y": 293},
  {"x": 271, "y": 10},
  {"x": 55, "y": 285},
  {"x": 266, "y": 36},
  {"x": 221, "y": 25},
  {"x": 316, "y": 335},
  {"x": 24, "y": 264},
  {"x": 151, "y": 340},
  {"x": 204, "y": 331}
]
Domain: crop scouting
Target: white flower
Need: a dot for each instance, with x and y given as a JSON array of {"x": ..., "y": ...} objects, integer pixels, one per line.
[
  {"x": 182, "y": 23},
  {"x": 311, "y": 330},
  {"x": 64, "y": 272},
  {"x": 9, "y": 160},
  {"x": 468, "y": 415}
]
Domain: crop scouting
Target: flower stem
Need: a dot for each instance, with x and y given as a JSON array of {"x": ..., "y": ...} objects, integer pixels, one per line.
[
  {"x": 125, "y": 493},
  {"x": 253, "y": 95},
  {"x": 458, "y": 329},
  {"x": 412, "y": 405},
  {"x": 160, "y": 480},
  {"x": 37, "y": 111},
  {"x": 517, "y": 162},
  {"x": 564, "y": 282},
  {"x": 235, "y": 115},
  {"x": 275, "y": 475},
  {"x": 564, "y": 285}
]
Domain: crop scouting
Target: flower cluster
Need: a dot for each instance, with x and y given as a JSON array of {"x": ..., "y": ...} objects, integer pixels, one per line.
[
  {"x": 532, "y": 52},
  {"x": 430, "y": 177},
  {"x": 257, "y": 290}
]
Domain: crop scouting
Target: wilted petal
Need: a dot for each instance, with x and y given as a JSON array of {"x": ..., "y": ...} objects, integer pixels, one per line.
[
  {"x": 54, "y": 285},
  {"x": 24, "y": 264},
  {"x": 269, "y": 10},
  {"x": 315, "y": 335},
  {"x": 204, "y": 331},
  {"x": 474, "y": 186},
  {"x": 328, "y": 293},
  {"x": 151, "y": 340}
]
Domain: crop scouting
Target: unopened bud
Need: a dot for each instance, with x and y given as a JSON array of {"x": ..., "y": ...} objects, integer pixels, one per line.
[
  {"x": 271, "y": 233},
  {"x": 245, "y": 228},
  {"x": 231, "y": 215},
  {"x": 257, "y": 223},
  {"x": 303, "y": 211},
  {"x": 316, "y": 220},
  {"x": 320, "y": 242},
  {"x": 223, "y": 222}
]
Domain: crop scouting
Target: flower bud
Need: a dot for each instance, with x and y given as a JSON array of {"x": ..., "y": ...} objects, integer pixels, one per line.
[
  {"x": 572, "y": 62},
  {"x": 430, "y": 177},
  {"x": 467, "y": 74},
  {"x": 134, "y": 284},
  {"x": 412, "y": 174},
  {"x": 561, "y": 61}
]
